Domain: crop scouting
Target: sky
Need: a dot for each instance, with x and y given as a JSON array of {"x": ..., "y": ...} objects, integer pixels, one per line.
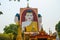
[{"x": 49, "y": 9}]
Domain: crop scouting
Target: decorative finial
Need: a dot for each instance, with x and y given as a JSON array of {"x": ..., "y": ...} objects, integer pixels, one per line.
[
  {"x": 50, "y": 32},
  {"x": 27, "y": 3}
]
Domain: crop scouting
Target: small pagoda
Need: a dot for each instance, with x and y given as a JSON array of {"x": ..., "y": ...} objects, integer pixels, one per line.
[{"x": 42, "y": 35}]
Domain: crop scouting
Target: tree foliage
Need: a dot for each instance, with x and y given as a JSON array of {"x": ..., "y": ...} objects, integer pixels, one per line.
[
  {"x": 12, "y": 28},
  {"x": 1, "y": 13},
  {"x": 57, "y": 27}
]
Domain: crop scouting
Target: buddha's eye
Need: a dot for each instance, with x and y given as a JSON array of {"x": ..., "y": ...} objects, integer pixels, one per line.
[
  {"x": 30, "y": 15},
  {"x": 27, "y": 15}
]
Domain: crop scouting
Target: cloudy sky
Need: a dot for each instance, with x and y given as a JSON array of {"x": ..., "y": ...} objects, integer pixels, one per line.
[{"x": 49, "y": 9}]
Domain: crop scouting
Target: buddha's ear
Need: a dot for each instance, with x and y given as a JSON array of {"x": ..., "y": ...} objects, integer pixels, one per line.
[{"x": 25, "y": 17}]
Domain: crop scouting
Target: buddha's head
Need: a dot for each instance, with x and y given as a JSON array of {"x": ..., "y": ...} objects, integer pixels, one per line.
[{"x": 29, "y": 15}]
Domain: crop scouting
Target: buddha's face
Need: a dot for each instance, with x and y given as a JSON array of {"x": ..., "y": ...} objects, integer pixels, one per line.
[{"x": 29, "y": 16}]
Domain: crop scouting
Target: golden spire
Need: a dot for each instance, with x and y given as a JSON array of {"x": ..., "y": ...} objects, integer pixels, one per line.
[{"x": 19, "y": 36}]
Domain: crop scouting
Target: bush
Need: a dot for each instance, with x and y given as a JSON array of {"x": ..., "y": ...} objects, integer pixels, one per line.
[{"x": 6, "y": 36}]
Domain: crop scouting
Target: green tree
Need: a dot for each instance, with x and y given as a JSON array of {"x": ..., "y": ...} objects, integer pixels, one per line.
[
  {"x": 57, "y": 27},
  {"x": 12, "y": 28}
]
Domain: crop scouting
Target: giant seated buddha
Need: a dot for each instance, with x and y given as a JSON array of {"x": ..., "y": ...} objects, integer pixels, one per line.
[{"x": 29, "y": 21}]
